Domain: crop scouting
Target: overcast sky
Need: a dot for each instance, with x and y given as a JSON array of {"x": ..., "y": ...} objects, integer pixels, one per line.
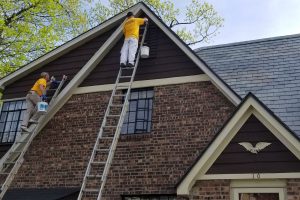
[{"x": 254, "y": 19}]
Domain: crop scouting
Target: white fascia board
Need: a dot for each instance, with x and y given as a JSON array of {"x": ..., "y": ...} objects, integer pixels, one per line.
[
  {"x": 249, "y": 107},
  {"x": 216, "y": 80},
  {"x": 279, "y": 131},
  {"x": 254, "y": 176},
  {"x": 54, "y": 54},
  {"x": 145, "y": 83}
]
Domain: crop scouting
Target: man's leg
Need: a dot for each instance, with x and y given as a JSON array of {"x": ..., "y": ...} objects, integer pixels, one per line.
[
  {"x": 35, "y": 99},
  {"x": 133, "y": 45},
  {"x": 29, "y": 110},
  {"x": 124, "y": 52}
]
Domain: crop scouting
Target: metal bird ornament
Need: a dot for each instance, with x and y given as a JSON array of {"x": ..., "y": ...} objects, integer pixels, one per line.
[{"x": 258, "y": 147}]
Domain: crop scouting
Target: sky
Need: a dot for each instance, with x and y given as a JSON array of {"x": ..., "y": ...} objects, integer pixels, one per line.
[{"x": 254, "y": 19}]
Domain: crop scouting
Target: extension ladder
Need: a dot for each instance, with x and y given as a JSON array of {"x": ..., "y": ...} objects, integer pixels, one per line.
[
  {"x": 106, "y": 142},
  {"x": 13, "y": 159}
]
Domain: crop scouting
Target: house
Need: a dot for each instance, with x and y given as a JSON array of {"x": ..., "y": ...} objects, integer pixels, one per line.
[{"x": 194, "y": 120}]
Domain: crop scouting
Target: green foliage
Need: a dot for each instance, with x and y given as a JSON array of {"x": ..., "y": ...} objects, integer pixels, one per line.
[
  {"x": 30, "y": 28},
  {"x": 199, "y": 24}
]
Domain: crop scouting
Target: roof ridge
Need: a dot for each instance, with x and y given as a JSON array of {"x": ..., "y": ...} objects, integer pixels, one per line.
[{"x": 248, "y": 42}]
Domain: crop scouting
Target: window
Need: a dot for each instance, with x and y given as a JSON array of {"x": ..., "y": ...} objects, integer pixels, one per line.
[
  {"x": 139, "y": 115},
  {"x": 150, "y": 197},
  {"x": 10, "y": 120}
]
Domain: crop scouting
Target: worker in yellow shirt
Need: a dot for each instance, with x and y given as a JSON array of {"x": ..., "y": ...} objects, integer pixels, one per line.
[
  {"x": 35, "y": 95},
  {"x": 131, "y": 32}
]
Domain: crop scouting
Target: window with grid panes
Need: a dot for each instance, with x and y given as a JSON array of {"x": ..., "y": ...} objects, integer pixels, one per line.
[
  {"x": 138, "y": 118},
  {"x": 150, "y": 197},
  {"x": 10, "y": 120}
]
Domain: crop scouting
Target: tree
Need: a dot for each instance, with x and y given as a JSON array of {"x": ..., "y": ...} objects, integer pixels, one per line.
[
  {"x": 199, "y": 24},
  {"x": 30, "y": 28}
]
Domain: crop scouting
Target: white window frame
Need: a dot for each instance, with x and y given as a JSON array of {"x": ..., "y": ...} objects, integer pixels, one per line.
[
  {"x": 258, "y": 186},
  {"x": 9, "y": 100}
]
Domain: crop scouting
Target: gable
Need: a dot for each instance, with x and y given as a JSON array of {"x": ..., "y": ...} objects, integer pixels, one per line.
[
  {"x": 166, "y": 60},
  {"x": 264, "y": 126},
  {"x": 275, "y": 158},
  {"x": 68, "y": 64}
]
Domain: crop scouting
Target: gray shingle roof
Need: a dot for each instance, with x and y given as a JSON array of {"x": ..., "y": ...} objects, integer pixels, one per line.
[{"x": 269, "y": 68}]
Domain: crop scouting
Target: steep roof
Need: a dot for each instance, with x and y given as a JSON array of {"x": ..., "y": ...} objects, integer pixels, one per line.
[
  {"x": 250, "y": 106},
  {"x": 269, "y": 68}
]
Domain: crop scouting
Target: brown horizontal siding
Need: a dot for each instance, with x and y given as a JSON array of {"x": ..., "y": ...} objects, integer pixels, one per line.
[
  {"x": 166, "y": 60},
  {"x": 275, "y": 158},
  {"x": 68, "y": 64}
]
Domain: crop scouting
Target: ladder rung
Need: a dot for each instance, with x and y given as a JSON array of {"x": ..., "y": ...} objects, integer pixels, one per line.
[
  {"x": 94, "y": 176},
  {"x": 113, "y": 115},
  {"x": 9, "y": 163},
  {"x": 128, "y": 68},
  {"x": 22, "y": 141},
  {"x": 110, "y": 126},
  {"x": 102, "y": 150},
  {"x": 91, "y": 190},
  {"x": 122, "y": 87},
  {"x": 4, "y": 173},
  {"x": 98, "y": 163},
  {"x": 125, "y": 76},
  {"x": 107, "y": 138},
  {"x": 12, "y": 152},
  {"x": 117, "y": 105},
  {"x": 119, "y": 95}
]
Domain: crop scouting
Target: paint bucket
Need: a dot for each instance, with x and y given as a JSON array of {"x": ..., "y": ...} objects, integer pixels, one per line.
[
  {"x": 42, "y": 107},
  {"x": 145, "y": 52}
]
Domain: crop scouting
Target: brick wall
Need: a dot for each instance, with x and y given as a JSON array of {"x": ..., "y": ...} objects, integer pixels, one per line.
[
  {"x": 211, "y": 190},
  {"x": 185, "y": 118},
  {"x": 293, "y": 189}
]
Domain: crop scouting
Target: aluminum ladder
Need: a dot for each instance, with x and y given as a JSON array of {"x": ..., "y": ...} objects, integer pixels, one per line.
[
  {"x": 13, "y": 159},
  {"x": 107, "y": 139}
]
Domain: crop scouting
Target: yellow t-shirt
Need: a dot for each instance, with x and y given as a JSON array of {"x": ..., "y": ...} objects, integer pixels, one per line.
[
  {"x": 132, "y": 26},
  {"x": 36, "y": 86}
]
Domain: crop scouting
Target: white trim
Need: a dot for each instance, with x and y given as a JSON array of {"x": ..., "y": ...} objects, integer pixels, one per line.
[
  {"x": 216, "y": 80},
  {"x": 280, "y": 132},
  {"x": 274, "y": 183},
  {"x": 236, "y": 191},
  {"x": 255, "y": 176},
  {"x": 72, "y": 44},
  {"x": 146, "y": 83},
  {"x": 249, "y": 107},
  {"x": 258, "y": 186}
]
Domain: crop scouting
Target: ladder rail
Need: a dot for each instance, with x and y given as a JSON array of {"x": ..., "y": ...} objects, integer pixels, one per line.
[{"x": 20, "y": 159}]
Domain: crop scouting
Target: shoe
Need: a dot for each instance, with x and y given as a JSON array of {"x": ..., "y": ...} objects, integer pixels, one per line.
[
  {"x": 122, "y": 65},
  {"x": 130, "y": 65},
  {"x": 33, "y": 121},
  {"x": 24, "y": 128}
]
